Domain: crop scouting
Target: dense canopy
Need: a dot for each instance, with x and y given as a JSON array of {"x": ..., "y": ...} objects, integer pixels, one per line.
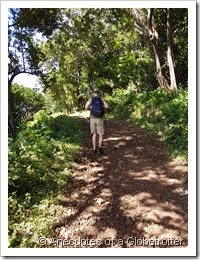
[{"x": 75, "y": 50}]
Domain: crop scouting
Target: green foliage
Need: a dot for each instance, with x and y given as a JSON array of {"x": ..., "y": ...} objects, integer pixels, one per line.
[
  {"x": 22, "y": 47},
  {"x": 138, "y": 67},
  {"x": 52, "y": 105},
  {"x": 39, "y": 171},
  {"x": 43, "y": 20},
  {"x": 164, "y": 113},
  {"x": 26, "y": 103},
  {"x": 98, "y": 49},
  {"x": 90, "y": 47}
]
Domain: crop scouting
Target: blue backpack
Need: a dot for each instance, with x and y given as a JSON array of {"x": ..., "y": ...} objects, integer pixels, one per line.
[{"x": 97, "y": 108}]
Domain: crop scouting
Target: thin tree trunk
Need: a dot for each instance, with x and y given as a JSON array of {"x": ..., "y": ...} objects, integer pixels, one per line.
[
  {"x": 78, "y": 81},
  {"x": 11, "y": 118},
  {"x": 170, "y": 50},
  {"x": 154, "y": 38}
]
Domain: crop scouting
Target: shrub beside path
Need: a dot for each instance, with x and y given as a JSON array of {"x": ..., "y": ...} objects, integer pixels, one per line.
[{"x": 135, "y": 195}]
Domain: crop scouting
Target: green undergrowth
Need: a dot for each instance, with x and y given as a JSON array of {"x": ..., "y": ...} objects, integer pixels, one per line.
[
  {"x": 39, "y": 171},
  {"x": 164, "y": 113}
]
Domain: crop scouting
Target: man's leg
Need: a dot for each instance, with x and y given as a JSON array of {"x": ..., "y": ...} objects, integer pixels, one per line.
[
  {"x": 94, "y": 136},
  {"x": 100, "y": 131},
  {"x": 100, "y": 140},
  {"x": 100, "y": 143},
  {"x": 93, "y": 129}
]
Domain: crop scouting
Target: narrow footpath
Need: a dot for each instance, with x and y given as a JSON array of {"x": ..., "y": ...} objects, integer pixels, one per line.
[{"x": 134, "y": 195}]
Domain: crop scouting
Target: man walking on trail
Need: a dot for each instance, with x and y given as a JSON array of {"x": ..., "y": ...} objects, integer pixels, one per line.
[{"x": 96, "y": 105}]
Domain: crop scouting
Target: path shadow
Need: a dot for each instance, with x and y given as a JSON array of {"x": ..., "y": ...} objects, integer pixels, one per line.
[{"x": 133, "y": 194}]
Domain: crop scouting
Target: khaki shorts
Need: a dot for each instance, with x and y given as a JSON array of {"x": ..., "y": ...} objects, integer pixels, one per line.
[{"x": 97, "y": 125}]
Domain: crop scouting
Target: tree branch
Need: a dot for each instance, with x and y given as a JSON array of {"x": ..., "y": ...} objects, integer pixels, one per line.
[
  {"x": 20, "y": 19},
  {"x": 10, "y": 80},
  {"x": 139, "y": 21}
]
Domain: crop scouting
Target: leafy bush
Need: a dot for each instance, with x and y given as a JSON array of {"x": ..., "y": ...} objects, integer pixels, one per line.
[
  {"x": 39, "y": 171},
  {"x": 26, "y": 102}
]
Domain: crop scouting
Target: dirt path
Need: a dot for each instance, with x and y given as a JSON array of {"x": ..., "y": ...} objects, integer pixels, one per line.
[{"x": 134, "y": 195}]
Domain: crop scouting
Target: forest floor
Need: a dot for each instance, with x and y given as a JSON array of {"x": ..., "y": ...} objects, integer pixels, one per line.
[{"x": 134, "y": 195}]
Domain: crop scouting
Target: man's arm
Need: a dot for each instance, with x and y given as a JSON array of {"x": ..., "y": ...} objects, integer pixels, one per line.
[
  {"x": 88, "y": 104},
  {"x": 105, "y": 104}
]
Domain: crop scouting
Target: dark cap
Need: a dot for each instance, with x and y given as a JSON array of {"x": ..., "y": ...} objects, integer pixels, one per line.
[{"x": 96, "y": 91}]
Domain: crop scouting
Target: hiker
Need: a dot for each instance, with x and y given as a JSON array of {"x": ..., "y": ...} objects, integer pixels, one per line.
[{"x": 97, "y": 105}]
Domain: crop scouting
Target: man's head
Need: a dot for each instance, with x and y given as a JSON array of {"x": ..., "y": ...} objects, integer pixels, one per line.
[{"x": 96, "y": 92}]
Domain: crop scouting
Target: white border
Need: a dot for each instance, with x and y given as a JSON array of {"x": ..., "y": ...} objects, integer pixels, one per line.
[
  {"x": 192, "y": 128},
  {"x": 191, "y": 250},
  {"x": 97, "y": 4}
]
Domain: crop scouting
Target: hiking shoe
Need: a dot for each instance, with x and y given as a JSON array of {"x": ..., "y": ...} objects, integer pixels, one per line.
[
  {"x": 95, "y": 151},
  {"x": 101, "y": 151}
]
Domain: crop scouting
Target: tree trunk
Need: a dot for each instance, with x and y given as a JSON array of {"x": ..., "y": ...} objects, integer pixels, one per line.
[
  {"x": 150, "y": 31},
  {"x": 170, "y": 56},
  {"x": 78, "y": 81},
  {"x": 154, "y": 38},
  {"x": 11, "y": 119}
]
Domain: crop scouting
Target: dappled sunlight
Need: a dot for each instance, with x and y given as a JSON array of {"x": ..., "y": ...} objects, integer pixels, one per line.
[
  {"x": 107, "y": 233},
  {"x": 143, "y": 175},
  {"x": 106, "y": 193},
  {"x": 113, "y": 138},
  {"x": 171, "y": 181},
  {"x": 140, "y": 148},
  {"x": 121, "y": 141},
  {"x": 132, "y": 190},
  {"x": 163, "y": 223},
  {"x": 154, "y": 176},
  {"x": 152, "y": 217}
]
